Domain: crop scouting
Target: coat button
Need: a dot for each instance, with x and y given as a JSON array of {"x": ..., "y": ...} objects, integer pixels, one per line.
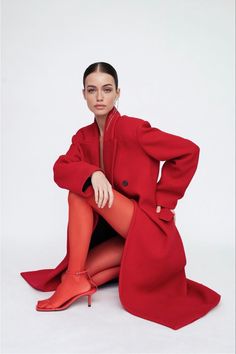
[{"x": 125, "y": 183}]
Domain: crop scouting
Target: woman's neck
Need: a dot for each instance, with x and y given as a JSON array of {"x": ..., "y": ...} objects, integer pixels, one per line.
[{"x": 101, "y": 121}]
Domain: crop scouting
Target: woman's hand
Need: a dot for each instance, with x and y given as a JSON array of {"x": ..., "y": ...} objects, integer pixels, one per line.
[
  {"x": 102, "y": 189},
  {"x": 158, "y": 209}
]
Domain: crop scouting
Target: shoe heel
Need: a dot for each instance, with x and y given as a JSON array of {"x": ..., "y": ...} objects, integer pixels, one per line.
[
  {"x": 94, "y": 285},
  {"x": 89, "y": 300}
]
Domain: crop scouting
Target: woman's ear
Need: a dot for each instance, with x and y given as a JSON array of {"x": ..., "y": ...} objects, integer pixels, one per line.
[
  {"x": 83, "y": 92},
  {"x": 118, "y": 93}
]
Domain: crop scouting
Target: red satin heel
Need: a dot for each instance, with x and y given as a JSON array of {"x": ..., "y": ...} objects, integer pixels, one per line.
[{"x": 67, "y": 303}]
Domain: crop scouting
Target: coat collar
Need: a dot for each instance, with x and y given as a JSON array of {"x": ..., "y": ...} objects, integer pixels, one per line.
[
  {"x": 109, "y": 143},
  {"x": 109, "y": 128}
]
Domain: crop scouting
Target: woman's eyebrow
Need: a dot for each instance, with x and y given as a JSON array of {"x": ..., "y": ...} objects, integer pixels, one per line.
[{"x": 102, "y": 86}]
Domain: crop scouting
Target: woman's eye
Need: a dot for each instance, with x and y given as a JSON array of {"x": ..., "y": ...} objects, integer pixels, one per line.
[{"x": 106, "y": 90}]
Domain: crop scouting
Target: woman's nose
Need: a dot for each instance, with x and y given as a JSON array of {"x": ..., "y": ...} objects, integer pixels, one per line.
[{"x": 99, "y": 96}]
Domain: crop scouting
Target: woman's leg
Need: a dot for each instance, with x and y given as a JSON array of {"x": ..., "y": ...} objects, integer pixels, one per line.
[
  {"x": 119, "y": 215},
  {"x": 105, "y": 255},
  {"x": 106, "y": 275},
  {"x": 81, "y": 224},
  {"x": 80, "y": 231},
  {"x": 103, "y": 261}
]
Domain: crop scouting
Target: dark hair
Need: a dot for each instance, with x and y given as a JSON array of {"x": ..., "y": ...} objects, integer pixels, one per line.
[{"x": 103, "y": 68}]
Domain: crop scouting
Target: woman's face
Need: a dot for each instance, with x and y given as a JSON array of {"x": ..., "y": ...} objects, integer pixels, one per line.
[{"x": 100, "y": 90}]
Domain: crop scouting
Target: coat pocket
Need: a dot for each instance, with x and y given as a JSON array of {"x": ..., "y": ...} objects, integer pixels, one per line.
[{"x": 165, "y": 214}]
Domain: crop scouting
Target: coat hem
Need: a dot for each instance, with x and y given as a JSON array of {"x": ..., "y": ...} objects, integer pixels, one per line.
[{"x": 168, "y": 324}]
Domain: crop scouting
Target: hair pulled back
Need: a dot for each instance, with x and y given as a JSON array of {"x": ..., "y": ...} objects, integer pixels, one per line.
[{"x": 102, "y": 67}]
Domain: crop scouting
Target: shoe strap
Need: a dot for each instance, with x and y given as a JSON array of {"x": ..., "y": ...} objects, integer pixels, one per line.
[
  {"x": 76, "y": 273},
  {"x": 83, "y": 272}
]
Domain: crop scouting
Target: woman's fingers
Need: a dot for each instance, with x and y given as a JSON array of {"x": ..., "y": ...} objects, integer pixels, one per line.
[
  {"x": 111, "y": 196},
  {"x": 158, "y": 209},
  {"x": 102, "y": 189},
  {"x": 174, "y": 214},
  {"x": 100, "y": 199},
  {"x": 105, "y": 197},
  {"x": 96, "y": 195}
]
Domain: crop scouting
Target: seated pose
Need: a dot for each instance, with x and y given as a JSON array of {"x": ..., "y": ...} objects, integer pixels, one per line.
[{"x": 121, "y": 219}]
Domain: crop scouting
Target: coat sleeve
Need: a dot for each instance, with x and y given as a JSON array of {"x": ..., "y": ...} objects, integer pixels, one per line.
[
  {"x": 181, "y": 159},
  {"x": 71, "y": 172}
]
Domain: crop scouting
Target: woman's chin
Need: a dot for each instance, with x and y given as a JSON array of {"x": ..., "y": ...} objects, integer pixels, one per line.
[{"x": 101, "y": 112}]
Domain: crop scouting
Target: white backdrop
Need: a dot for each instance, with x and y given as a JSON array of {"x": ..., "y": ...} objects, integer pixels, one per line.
[{"x": 175, "y": 63}]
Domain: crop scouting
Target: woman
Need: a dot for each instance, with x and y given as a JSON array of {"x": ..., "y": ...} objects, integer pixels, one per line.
[{"x": 111, "y": 171}]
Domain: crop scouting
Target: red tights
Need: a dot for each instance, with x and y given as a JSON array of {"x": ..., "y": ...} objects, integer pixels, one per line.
[
  {"x": 106, "y": 255},
  {"x": 102, "y": 261}
]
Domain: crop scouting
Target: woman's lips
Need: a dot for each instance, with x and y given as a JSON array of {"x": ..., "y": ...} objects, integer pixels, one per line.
[{"x": 99, "y": 106}]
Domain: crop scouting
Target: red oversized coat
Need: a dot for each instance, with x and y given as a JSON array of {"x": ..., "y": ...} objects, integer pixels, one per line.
[{"x": 152, "y": 279}]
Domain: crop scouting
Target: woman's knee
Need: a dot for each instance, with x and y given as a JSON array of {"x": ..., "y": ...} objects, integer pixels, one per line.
[
  {"x": 73, "y": 197},
  {"x": 105, "y": 275}
]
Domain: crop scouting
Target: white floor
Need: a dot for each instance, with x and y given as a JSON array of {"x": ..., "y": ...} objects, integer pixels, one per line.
[{"x": 106, "y": 327}]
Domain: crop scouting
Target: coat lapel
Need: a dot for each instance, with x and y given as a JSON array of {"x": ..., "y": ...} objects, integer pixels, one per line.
[{"x": 109, "y": 143}]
